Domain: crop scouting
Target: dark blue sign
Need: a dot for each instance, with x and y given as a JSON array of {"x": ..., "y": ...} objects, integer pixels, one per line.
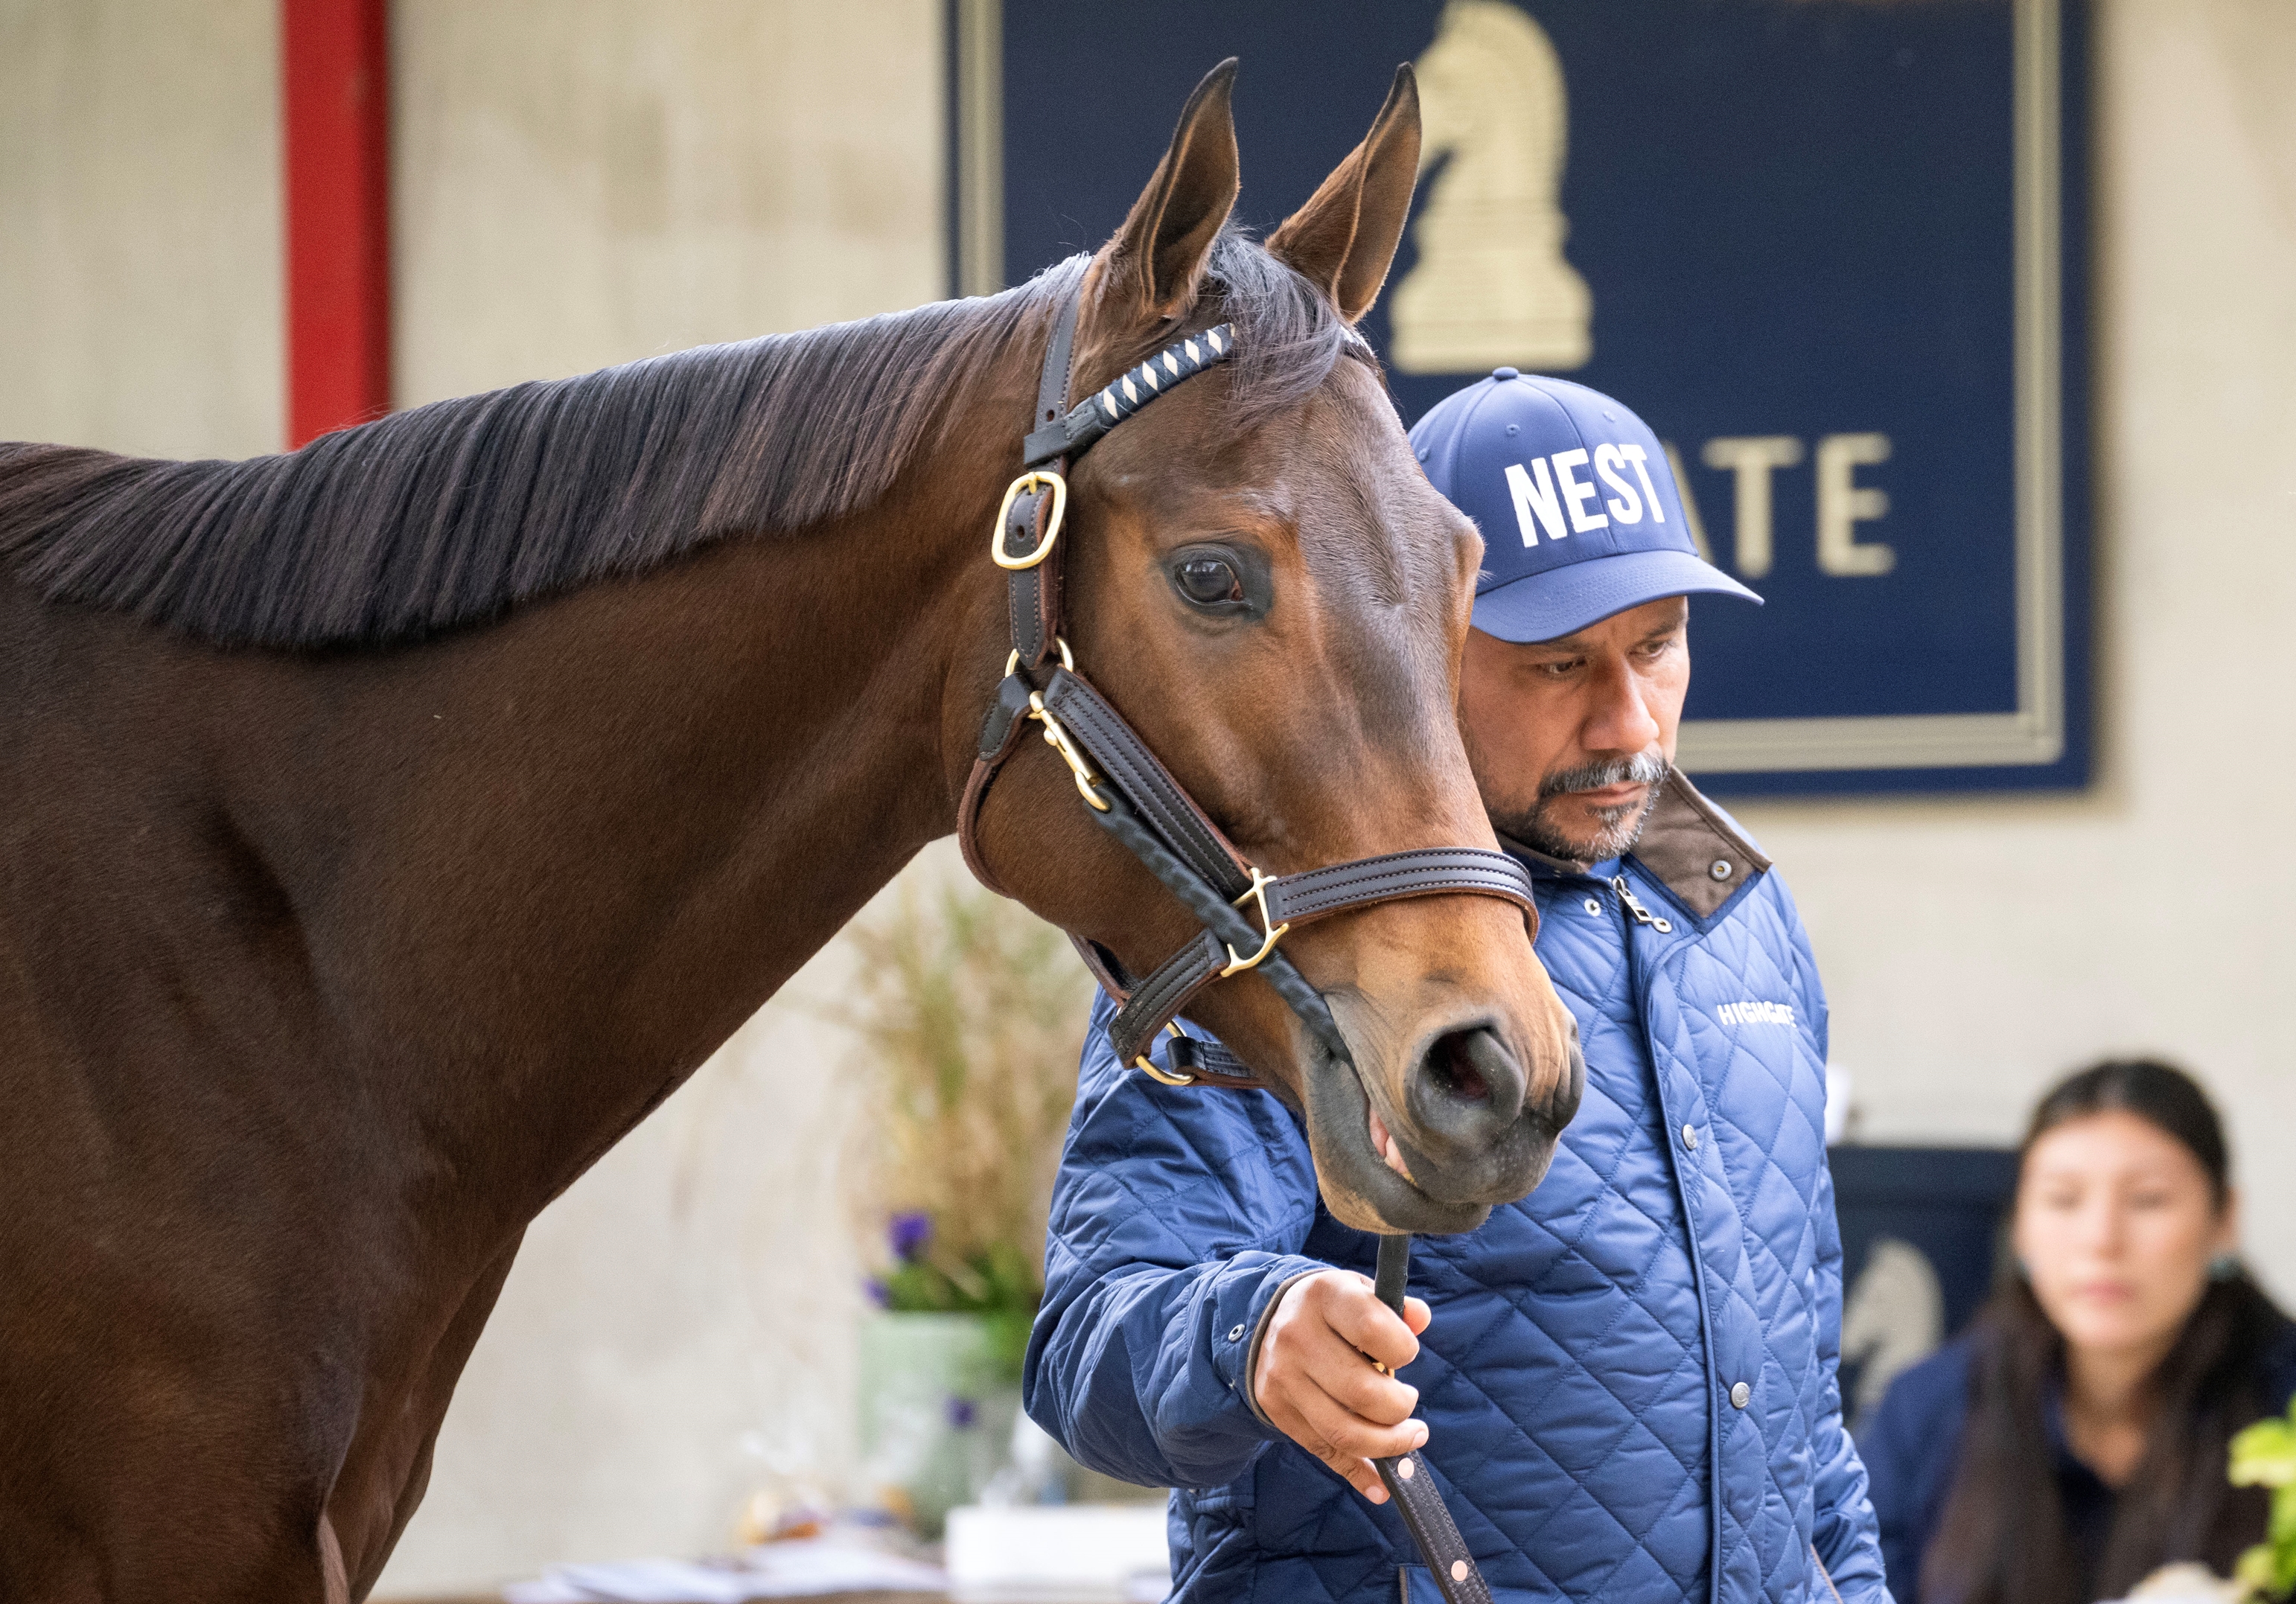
[
  {"x": 1832, "y": 251},
  {"x": 1922, "y": 1238}
]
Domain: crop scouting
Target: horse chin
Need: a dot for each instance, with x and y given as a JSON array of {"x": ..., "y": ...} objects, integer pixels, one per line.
[{"x": 1361, "y": 1190}]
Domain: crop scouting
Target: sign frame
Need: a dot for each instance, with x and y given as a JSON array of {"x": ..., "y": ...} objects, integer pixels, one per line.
[{"x": 2044, "y": 741}]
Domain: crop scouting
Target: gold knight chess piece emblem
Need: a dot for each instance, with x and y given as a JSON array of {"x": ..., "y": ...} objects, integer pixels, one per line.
[{"x": 1491, "y": 287}]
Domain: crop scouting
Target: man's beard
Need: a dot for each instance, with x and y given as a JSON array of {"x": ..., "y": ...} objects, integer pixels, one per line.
[{"x": 1617, "y": 829}]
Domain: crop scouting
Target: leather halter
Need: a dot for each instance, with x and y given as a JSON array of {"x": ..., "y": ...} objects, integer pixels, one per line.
[
  {"x": 1131, "y": 794},
  {"x": 1133, "y": 798}
]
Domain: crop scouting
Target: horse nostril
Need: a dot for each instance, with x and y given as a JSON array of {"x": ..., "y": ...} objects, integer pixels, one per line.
[
  {"x": 1453, "y": 1069},
  {"x": 1468, "y": 1073}
]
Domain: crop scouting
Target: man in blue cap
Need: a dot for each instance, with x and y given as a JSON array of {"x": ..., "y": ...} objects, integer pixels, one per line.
[{"x": 1626, "y": 1381}]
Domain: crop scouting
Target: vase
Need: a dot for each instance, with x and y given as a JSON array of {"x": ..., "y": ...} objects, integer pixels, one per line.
[{"x": 937, "y": 1410}]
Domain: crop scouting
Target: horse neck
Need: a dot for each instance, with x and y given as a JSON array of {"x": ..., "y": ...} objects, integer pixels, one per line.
[{"x": 544, "y": 868}]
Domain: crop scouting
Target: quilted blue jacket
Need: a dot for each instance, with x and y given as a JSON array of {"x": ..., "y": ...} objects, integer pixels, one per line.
[{"x": 1629, "y": 1379}]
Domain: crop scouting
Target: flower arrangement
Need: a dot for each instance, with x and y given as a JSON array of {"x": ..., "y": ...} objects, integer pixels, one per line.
[
  {"x": 968, "y": 1010},
  {"x": 2264, "y": 1455}
]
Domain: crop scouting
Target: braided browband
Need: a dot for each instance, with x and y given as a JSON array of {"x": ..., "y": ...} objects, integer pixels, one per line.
[{"x": 1121, "y": 397}]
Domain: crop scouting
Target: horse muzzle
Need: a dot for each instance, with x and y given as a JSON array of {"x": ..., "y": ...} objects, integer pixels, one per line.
[{"x": 1473, "y": 1130}]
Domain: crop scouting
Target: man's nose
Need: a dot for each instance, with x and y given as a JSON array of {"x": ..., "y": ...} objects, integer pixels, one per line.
[{"x": 1621, "y": 719}]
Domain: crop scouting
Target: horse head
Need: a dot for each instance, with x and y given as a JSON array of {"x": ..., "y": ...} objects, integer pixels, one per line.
[{"x": 1263, "y": 581}]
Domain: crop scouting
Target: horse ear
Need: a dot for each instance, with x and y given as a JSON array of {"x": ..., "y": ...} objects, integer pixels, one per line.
[
  {"x": 1158, "y": 256},
  {"x": 1343, "y": 241}
]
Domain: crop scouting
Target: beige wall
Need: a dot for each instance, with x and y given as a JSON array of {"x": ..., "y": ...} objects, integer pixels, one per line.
[
  {"x": 139, "y": 226},
  {"x": 591, "y": 181},
  {"x": 587, "y": 182}
]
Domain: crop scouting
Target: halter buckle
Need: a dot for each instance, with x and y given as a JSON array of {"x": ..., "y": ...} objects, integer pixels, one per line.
[
  {"x": 1060, "y": 740},
  {"x": 1035, "y": 480},
  {"x": 1162, "y": 1077},
  {"x": 1258, "y": 894}
]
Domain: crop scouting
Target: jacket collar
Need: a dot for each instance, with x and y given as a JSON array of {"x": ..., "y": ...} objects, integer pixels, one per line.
[{"x": 1688, "y": 844}]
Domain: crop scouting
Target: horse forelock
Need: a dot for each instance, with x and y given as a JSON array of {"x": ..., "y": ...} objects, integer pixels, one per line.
[
  {"x": 456, "y": 513},
  {"x": 1289, "y": 334}
]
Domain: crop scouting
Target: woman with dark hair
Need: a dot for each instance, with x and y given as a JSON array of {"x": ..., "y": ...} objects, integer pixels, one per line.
[{"x": 2074, "y": 1441}]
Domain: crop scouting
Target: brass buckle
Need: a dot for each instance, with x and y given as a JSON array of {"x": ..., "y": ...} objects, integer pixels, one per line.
[
  {"x": 1258, "y": 894},
  {"x": 1061, "y": 743},
  {"x": 1161, "y": 1077},
  {"x": 1033, "y": 481}
]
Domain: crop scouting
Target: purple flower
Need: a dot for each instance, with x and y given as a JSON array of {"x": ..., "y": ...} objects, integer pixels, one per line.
[
  {"x": 881, "y": 1293},
  {"x": 960, "y": 1412},
  {"x": 908, "y": 1233}
]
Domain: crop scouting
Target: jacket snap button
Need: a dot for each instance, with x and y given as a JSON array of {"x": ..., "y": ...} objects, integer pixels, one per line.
[
  {"x": 1690, "y": 1137},
  {"x": 1594, "y": 907},
  {"x": 1740, "y": 1395},
  {"x": 1234, "y": 1334},
  {"x": 1720, "y": 869}
]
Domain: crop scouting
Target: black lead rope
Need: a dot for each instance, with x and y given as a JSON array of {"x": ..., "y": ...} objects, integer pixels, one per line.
[{"x": 1410, "y": 1484}]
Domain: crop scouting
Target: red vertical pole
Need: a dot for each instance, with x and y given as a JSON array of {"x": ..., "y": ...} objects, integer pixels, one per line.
[{"x": 335, "y": 64}]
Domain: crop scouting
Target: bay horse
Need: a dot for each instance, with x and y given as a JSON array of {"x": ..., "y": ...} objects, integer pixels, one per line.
[{"x": 386, "y": 828}]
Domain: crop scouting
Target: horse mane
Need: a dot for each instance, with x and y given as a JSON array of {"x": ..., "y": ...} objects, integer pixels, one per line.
[{"x": 456, "y": 513}]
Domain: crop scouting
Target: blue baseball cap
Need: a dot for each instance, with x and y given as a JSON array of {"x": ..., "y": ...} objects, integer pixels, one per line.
[{"x": 1580, "y": 513}]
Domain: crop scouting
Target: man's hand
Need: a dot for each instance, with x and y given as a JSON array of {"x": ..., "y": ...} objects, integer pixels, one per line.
[{"x": 1314, "y": 1381}]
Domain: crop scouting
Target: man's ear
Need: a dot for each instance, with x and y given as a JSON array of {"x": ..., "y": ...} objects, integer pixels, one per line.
[
  {"x": 1157, "y": 259},
  {"x": 1343, "y": 241}
]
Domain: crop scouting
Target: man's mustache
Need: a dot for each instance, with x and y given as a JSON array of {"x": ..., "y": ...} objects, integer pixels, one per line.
[{"x": 1644, "y": 768}]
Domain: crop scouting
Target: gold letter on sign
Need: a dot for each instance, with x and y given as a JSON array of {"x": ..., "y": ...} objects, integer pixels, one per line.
[
  {"x": 1843, "y": 504},
  {"x": 1491, "y": 288},
  {"x": 1752, "y": 458}
]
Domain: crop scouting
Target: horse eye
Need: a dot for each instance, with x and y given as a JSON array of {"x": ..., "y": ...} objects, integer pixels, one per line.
[{"x": 1207, "y": 581}]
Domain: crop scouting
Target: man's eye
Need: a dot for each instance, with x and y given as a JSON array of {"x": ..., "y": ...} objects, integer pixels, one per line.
[{"x": 1207, "y": 581}]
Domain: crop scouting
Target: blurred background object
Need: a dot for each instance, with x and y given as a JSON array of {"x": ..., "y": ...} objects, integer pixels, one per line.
[
  {"x": 1099, "y": 1554},
  {"x": 966, "y": 1010},
  {"x": 1922, "y": 1244},
  {"x": 590, "y": 182}
]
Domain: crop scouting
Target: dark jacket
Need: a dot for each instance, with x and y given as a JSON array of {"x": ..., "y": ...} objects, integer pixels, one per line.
[
  {"x": 1912, "y": 1443},
  {"x": 1629, "y": 1380}
]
